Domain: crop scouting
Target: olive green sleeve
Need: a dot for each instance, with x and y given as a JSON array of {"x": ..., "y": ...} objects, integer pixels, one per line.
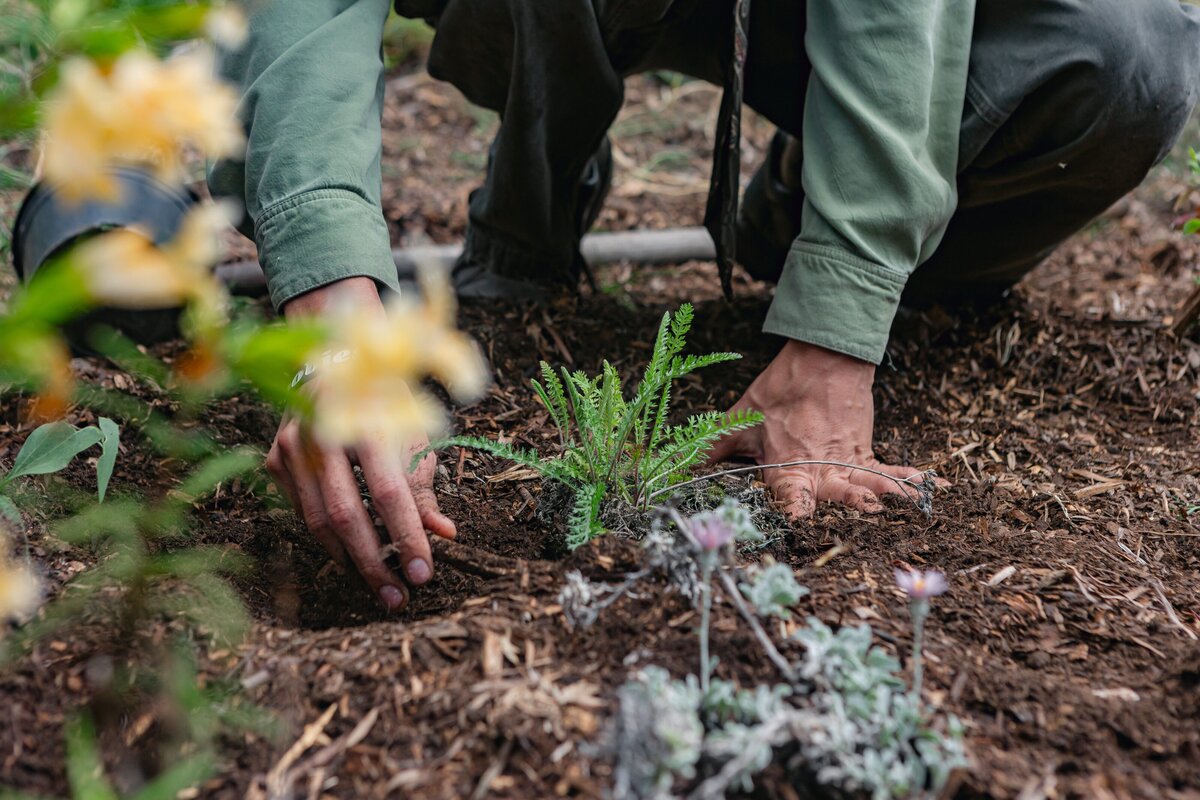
[
  {"x": 881, "y": 127},
  {"x": 311, "y": 80}
]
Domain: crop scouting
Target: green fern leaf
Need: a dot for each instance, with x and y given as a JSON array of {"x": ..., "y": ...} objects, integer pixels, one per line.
[
  {"x": 681, "y": 323},
  {"x": 584, "y": 524},
  {"x": 563, "y": 470},
  {"x": 685, "y": 365},
  {"x": 690, "y": 441},
  {"x": 579, "y": 393},
  {"x": 660, "y": 355},
  {"x": 657, "y": 430},
  {"x": 554, "y": 398}
]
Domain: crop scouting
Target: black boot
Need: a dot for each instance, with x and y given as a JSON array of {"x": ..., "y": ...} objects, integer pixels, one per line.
[
  {"x": 476, "y": 280},
  {"x": 769, "y": 218}
]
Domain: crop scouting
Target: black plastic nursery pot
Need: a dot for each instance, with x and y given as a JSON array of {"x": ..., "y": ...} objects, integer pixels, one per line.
[{"x": 46, "y": 226}]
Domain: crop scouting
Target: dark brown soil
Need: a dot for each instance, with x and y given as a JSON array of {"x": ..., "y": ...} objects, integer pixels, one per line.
[{"x": 1066, "y": 421}]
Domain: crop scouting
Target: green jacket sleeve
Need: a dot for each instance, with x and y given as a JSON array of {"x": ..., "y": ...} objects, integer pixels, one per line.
[
  {"x": 881, "y": 128},
  {"x": 311, "y": 79}
]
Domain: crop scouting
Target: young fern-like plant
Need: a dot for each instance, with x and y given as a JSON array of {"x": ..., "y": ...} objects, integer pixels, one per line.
[{"x": 613, "y": 446}]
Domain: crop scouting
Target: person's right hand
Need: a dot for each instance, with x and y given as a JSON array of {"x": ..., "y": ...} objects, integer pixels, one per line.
[
  {"x": 817, "y": 406},
  {"x": 322, "y": 487}
]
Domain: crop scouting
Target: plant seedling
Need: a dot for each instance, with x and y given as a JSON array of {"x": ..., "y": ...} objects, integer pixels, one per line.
[
  {"x": 50, "y": 449},
  {"x": 611, "y": 446}
]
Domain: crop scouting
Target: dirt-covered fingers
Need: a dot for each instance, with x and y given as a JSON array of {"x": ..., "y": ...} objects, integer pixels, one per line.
[
  {"x": 893, "y": 481},
  {"x": 394, "y": 501},
  {"x": 289, "y": 463},
  {"x": 897, "y": 480},
  {"x": 848, "y": 493},
  {"x": 794, "y": 490},
  {"x": 798, "y": 490},
  {"x": 420, "y": 482},
  {"x": 352, "y": 526}
]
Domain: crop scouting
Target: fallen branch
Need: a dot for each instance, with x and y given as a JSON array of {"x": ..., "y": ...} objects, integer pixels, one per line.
[
  {"x": 280, "y": 777},
  {"x": 474, "y": 561}
]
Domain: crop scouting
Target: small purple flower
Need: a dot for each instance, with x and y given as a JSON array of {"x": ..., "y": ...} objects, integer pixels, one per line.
[
  {"x": 921, "y": 585},
  {"x": 711, "y": 532}
]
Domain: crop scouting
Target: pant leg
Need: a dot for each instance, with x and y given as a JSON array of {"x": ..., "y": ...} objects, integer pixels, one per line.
[
  {"x": 1069, "y": 105},
  {"x": 543, "y": 66},
  {"x": 554, "y": 70}
]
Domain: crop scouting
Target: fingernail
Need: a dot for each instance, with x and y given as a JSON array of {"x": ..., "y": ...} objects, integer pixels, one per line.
[
  {"x": 392, "y": 598},
  {"x": 419, "y": 571}
]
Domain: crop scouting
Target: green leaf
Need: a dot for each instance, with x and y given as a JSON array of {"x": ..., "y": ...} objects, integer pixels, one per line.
[
  {"x": 85, "y": 769},
  {"x": 51, "y": 447},
  {"x": 217, "y": 470},
  {"x": 109, "y": 447},
  {"x": 13, "y": 179},
  {"x": 1192, "y": 226},
  {"x": 18, "y": 113},
  {"x": 584, "y": 524},
  {"x": 9, "y": 511},
  {"x": 184, "y": 775},
  {"x": 555, "y": 469},
  {"x": 118, "y": 520},
  {"x": 207, "y": 602},
  {"x": 56, "y": 295},
  {"x": 122, "y": 351},
  {"x": 268, "y": 356}
]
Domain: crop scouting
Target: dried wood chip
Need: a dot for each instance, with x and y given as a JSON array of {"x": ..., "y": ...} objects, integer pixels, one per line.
[{"x": 1002, "y": 575}]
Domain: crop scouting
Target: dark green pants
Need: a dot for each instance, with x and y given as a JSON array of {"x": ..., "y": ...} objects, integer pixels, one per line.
[{"x": 1103, "y": 85}]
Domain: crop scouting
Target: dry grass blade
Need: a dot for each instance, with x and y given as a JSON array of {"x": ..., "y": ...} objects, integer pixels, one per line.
[
  {"x": 278, "y": 785},
  {"x": 1170, "y": 609}
]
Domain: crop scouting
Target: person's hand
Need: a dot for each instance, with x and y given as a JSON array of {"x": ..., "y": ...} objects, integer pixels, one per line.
[
  {"x": 818, "y": 406},
  {"x": 321, "y": 484}
]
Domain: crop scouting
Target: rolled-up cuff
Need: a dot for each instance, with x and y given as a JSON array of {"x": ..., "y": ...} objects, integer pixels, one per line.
[
  {"x": 322, "y": 236},
  {"x": 835, "y": 300}
]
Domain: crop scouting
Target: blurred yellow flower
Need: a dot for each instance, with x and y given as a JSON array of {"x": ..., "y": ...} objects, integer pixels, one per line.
[
  {"x": 140, "y": 110},
  {"x": 57, "y": 383},
  {"x": 123, "y": 268},
  {"x": 370, "y": 371},
  {"x": 20, "y": 591},
  {"x": 38, "y": 355},
  {"x": 226, "y": 25}
]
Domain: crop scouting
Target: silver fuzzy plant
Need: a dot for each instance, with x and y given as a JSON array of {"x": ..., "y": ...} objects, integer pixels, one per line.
[{"x": 847, "y": 721}]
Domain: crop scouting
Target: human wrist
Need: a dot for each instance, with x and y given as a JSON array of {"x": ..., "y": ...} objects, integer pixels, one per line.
[
  {"x": 358, "y": 290},
  {"x": 822, "y": 360}
]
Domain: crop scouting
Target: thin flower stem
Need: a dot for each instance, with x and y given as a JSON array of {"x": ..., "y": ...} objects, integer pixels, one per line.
[
  {"x": 734, "y": 597},
  {"x": 705, "y": 618},
  {"x": 772, "y": 653},
  {"x": 901, "y": 482},
  {"x": 919, "y": 609}
]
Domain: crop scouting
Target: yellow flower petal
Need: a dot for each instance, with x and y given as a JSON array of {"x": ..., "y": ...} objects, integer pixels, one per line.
[
  {"x": 226, "y": 25},
  {"x": 375, "y": 391},
  {"x": 20, "y": 590},
  {"x": 124, "y": 269},
  {"x": 142, "y": 111}
]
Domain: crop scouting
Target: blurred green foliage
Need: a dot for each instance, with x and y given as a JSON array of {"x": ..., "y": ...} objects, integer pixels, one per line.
[{"x": 36, "y": 35}]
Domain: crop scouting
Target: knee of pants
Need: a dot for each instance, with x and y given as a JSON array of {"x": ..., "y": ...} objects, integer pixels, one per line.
[{"x": 1139, "y": 70}]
